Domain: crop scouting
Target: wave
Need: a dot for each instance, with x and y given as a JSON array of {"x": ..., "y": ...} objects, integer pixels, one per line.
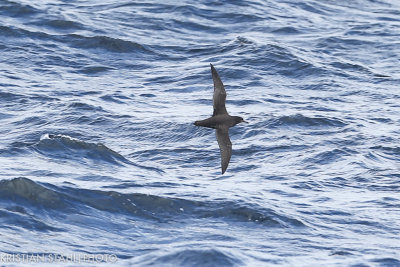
[
  {"x": 25, "y": 192},
  {"x": 327, "y": 157},
  {"x": 59, "y": 24},
  {"x": 66, "y": 148},
  {"x": 286, "y": 30},
  {"x": 14, "y": 9},
  {"x": 103, "y": 42},
  {"x": 274, "y": 57},
  {"x": 270, "y": 57},
  {"x": 92, "y": 70},
  {"x": 8, "y": 97},
  {"x": 14, "y": 31},
  {"x": 390, "y": 150},
  {"x": 386, "y": 152},
  {"x": 300, "y": 120},
  {"x": 69, "y": 148},
  {"x": 80, "y": 106},
  {"x": 334, "y": 43},
  {"x": 248, "y": 213},
  {"x": 17, "y": 217},
  {"x": 195, "y": 257},
  {"x": 386, "y": 261}
]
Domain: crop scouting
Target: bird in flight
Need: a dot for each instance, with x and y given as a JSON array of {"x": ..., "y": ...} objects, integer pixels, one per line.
[{"x": 221, "y": 121}]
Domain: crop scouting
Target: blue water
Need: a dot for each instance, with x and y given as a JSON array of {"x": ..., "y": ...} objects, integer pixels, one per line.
[{"x": 99, "y": 154}]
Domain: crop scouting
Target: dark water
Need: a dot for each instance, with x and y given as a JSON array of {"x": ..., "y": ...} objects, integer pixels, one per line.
[{"x": 98, "y": 153}]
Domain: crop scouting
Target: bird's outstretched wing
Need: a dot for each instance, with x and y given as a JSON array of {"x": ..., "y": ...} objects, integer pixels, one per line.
[
  {"x": 219, "y": 96},
  {"x": 225, "y": 146}
]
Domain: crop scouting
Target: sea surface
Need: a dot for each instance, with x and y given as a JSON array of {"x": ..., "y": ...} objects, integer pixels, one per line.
[{"x": 99, "y": 154}]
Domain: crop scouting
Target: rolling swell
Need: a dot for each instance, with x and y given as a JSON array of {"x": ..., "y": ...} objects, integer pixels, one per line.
[
  {"x": 28, "y": 193},
  {"x": 66, "y": 147},
  {"x": 63, "y": 147},
  {"x": 27, "y": 190}
]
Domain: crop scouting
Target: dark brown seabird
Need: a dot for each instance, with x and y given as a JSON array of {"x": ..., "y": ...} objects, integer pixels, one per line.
[{"x": 221, "y": 121}]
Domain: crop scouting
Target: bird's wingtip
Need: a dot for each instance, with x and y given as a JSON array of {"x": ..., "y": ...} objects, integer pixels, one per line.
[{"x": 213, "y": 70}]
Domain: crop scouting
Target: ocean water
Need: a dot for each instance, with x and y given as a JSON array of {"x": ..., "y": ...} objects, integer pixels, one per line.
[{"x": 99, "y": 154}]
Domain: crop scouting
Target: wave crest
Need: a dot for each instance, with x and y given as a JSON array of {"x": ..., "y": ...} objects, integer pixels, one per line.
[{"x": 66, "y": 147}]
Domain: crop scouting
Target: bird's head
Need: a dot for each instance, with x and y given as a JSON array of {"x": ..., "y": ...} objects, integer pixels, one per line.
[{"x": 239, "y": 120}]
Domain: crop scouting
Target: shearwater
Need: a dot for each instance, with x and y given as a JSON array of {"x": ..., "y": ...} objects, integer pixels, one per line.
[{"x": 221, "y": 121}]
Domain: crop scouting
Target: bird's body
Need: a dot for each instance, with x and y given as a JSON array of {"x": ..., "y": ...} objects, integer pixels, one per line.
[{"x": 221, "y": 121}]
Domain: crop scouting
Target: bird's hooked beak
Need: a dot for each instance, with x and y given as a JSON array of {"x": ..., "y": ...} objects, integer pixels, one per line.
[{"x": 244, "y": 121}]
